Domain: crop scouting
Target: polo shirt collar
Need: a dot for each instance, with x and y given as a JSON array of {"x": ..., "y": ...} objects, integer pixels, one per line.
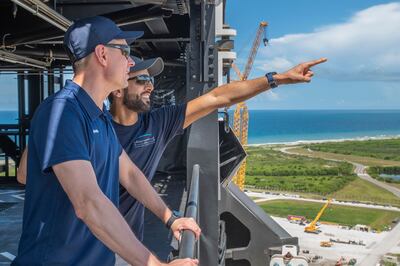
[{"x": 87, "y": 102}]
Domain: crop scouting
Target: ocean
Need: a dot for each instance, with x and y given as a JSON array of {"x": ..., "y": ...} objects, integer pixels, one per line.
[
  {"x": 277, "y": 126},
  {"x": 273, "y": 126},
  {"x": 8, "y": 117}
]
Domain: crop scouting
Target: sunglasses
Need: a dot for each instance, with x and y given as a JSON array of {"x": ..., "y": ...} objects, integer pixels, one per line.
[
  {"x": 143, "y": 79},
  {"x": 125, "y": 49}
]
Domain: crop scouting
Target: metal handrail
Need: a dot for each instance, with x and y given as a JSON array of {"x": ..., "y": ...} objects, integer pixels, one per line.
[{"x": 188, "y": 242}]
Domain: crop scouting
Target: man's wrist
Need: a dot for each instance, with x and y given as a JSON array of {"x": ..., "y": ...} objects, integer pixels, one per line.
[
  {"x": 280, "y": 79},
  {"x": 175, "y": 215},
  {"x": 167, "y": 215}
]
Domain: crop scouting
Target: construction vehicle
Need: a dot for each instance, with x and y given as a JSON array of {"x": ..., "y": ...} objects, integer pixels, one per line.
[
  {"x": 241, "y": 115},
  {"x": 296, "y": 219},
  {"x": 312, "y": 227},
  {"x": 326, "y": 244}
]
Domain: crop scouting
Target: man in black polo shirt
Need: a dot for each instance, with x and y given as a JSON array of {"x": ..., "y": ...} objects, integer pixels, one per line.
[{"x": 144, "y": 134}]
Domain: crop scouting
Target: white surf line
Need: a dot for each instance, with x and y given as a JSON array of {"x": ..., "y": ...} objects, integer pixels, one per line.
[
  {"x": 19, "y": 196},
  {"x": 8, "y": 255}
]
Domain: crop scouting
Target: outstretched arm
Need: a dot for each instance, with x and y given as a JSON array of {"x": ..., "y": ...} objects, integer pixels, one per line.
[{"x": 235, "y": 92}]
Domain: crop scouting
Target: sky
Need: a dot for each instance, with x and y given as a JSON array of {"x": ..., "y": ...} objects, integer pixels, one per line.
[{"x": 360, "y": 38}]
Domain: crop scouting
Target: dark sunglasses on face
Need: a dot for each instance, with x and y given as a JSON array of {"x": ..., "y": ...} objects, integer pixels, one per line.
[
  {"x": 125, "y": 49},
  {"x": 143, "y": 79}
]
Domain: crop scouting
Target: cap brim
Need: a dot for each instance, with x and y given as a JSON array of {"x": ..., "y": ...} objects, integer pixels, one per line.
[
  {"x": 129, "y": 36},
  {"x": 154, "y": 65}
]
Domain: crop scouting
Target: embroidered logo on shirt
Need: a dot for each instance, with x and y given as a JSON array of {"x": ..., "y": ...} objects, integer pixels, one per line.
[
  {"x": 95, "y": 131},
  {"x": 144, "y": 140}
]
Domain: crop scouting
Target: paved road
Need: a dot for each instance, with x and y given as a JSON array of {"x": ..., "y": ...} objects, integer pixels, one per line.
[
  {"x": 361, "y": 172},
  {"x": 266, "y": 197}
]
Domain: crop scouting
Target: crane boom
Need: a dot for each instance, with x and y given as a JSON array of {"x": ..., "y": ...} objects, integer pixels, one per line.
[
  {"x": 241, "y": 115},
  {"x": 254, "y": 49},
  {"x": 312, "y": 228}
]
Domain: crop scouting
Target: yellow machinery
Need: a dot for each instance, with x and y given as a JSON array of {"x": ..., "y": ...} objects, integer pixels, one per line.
[
  {"x": 326, "y": 244},
  {"x": 241, "y": 115},
  {"x": 312, "y": 227}
]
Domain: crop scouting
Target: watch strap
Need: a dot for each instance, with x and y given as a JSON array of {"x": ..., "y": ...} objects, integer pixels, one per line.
[
  {"x": 174, "y": 216},
  {"x": 271, "y": 81}
]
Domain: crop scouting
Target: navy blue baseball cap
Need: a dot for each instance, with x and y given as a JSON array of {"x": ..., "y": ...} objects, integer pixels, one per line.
[{"x": 84, "y": 35}]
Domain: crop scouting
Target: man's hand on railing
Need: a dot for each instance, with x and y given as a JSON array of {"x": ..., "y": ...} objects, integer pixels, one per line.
[
  {"x": 185, "y": 224},
  {"x": 183, "y": 262}
]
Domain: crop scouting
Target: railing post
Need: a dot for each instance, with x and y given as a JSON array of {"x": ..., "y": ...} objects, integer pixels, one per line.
[{"x": 188, "y": 241}]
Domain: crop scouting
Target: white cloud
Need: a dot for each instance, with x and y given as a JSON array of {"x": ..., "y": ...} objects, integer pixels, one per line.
[
  {"x": 366, "y": 47},
  {"x": 273, "y": 96}
]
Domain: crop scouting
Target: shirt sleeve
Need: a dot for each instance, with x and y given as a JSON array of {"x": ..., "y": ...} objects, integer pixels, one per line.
[
  {"x": 172, "y": 119},
  {"x": 59, "y": 134}
]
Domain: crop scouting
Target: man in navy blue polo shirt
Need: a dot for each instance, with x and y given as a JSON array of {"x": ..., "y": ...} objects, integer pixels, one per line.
[
  {"x": 144, "y": 134},
  {"x": 75, "y": 163}
]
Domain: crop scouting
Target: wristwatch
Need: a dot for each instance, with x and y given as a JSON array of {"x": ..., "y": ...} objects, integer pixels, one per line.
[
  {"x": 271, "y": 81},
  {"x": 174, "y": 216}
]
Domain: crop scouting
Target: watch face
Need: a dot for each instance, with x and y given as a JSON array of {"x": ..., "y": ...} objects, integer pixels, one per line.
[{"x": 271, "y": 80}]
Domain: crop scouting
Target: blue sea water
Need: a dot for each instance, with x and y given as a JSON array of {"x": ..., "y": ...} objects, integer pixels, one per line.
[
  {"x": 8, "y": 117},
  {"x": 274, "y": 126}
]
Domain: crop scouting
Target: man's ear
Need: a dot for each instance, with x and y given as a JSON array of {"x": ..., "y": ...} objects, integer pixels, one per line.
[
  {"x": 118, "y": 93},
  {"x": 100, "y": 53}
]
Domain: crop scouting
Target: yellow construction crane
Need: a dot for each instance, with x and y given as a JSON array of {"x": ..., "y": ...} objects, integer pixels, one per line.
[
  {"x": 312, "y": 227},
  {"x": 241, "y": 115}
]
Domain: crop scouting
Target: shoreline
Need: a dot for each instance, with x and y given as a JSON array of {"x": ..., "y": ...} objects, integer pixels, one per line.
[{"x": 301, "y": 142}]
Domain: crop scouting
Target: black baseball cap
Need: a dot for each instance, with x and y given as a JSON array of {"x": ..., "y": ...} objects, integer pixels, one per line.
[
  {"x": 84, "y": 35},
  {"x": 154, "y": 65}
]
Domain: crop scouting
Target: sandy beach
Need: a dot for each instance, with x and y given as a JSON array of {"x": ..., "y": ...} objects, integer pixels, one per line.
[{"x": 301, "y": 142}]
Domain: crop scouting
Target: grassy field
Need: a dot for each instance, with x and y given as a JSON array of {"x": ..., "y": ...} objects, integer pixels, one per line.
[
  {"x": 364, "y": 191},
  {"x": 369, "y": 161},
  {"x": 322, "y": 185},
  {"x": 344, "y": 215},
  {"x": 379, "y": 149},
  {"x": 274, "y": 170},
  {"x": 269, "y": 169}
]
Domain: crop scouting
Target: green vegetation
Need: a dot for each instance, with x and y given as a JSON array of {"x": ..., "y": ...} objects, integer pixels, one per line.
[
  {"x": 364, "y": 191},
  {"x": 344, "y": 215},
  {"x": 369, "y": 161},
  {"x": 387, "y": 149},
  {"x": 269, "y": 169},
  {"x": 274, "y": 170}
]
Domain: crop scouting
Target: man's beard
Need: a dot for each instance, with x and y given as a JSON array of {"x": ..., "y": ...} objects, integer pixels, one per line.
[{"x": 135, "y": 103}]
